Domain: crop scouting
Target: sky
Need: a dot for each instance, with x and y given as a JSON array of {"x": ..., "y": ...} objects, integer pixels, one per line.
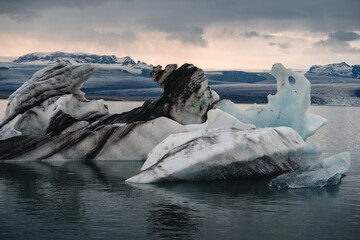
[{"x": 212, "y": 34}]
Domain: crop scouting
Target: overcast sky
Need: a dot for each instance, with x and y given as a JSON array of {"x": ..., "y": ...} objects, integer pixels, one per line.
[{"x": 213, "y": 34}]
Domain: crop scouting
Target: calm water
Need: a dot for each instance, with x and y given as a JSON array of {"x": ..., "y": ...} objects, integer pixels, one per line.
[{"x": 78, "y": 200}]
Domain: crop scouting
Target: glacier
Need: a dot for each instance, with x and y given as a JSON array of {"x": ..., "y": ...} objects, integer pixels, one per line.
[
  {"x": 188, "y": 133},
  {"x": 327, "y": 173}
]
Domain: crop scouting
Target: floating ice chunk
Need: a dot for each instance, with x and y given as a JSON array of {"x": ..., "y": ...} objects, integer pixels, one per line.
[
  {"x": 217, "y": 118},
  {"x": 312, "y": 147},
  {"x": 327, "y": 173},
  {"x": 222, "y": 153},
  {"x": 286, "y": 108}
]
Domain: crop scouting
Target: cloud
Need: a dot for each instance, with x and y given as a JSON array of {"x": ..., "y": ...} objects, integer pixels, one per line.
[
  {"x": 253, "y": 34},
  {"x": 126, "y": 36},
  {"x": 21, "y": 10},
  {"x": 344, "y": 36},
  {"x": 188, "y": 33},
  {"x": 339, "y": 42},
  {"x": 280, "y": 45},
  {"x": 185, "y": 21},
  {"x": 267, "y": 36},
  {"x": 192, "y": 35},
  {"x": 320, "y": 15}
]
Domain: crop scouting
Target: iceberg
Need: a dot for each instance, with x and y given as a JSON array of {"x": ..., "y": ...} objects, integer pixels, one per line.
[
  {"x": 187, "y": 96},
  {"x": 222, "y": 153},
  {"x": 48, "y": 117},
  {"x": 286, "y": 108},
  {"x": 319, "y": 175},
  {"x": 55, "y": 80},
  {"x": 187, "y": 134},
  {"x": 111, "y": 142}
]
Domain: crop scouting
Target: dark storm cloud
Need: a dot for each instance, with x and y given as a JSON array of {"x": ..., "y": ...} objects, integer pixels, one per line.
[
  {"x": 186, "y": 20},
  {"x": 339, "y": 42}
]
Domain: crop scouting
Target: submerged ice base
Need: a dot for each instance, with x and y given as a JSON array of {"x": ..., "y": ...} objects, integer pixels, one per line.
[{"x": 324, "y": 174}]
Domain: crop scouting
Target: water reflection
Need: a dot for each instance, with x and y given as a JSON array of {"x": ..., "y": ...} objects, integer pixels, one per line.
[
  {"x": 91, "y": 199},
  {"x": 172, "y": 221},
  {"x": 46, "y": 189}
]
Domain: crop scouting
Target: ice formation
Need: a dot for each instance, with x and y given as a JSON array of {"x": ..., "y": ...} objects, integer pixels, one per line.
[
  {"x": 111, "y": 142},
  {"x": 324, "y": 174},
  {"x": 49, "y": 117},
  {"x": 222, "y": 153},
  {"x": 286, "y": 108},
  {"x": 55, "y": 80},
  {"x": 188, "y": 100},
  {"x": 186, "y": 134}
]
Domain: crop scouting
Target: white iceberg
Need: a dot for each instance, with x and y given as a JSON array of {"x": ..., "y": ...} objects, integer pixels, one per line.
[
  {"x": 286, "y": 108},
  {"x": 55, "y": 80},
  {"x": 327, "y": 173},
  {"x": 110, "y": 142},
  {"x": 222, "y": 153},
  {"x": 137, "y": 144},
  {"x": 38, "y": 119}
]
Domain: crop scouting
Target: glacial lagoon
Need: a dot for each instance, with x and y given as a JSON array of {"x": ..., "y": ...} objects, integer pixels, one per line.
[{"x": 90, "y": 200}]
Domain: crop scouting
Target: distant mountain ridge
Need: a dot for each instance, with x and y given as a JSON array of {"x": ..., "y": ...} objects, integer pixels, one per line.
[
  {"x": 125, "y": 63},
  {"x": 335, "y": 70}
]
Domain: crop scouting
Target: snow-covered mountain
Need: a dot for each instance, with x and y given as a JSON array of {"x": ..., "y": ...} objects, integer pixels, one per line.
[
  {"x": 335, "y": 70},
  {"x": 125, "y": 63}
]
